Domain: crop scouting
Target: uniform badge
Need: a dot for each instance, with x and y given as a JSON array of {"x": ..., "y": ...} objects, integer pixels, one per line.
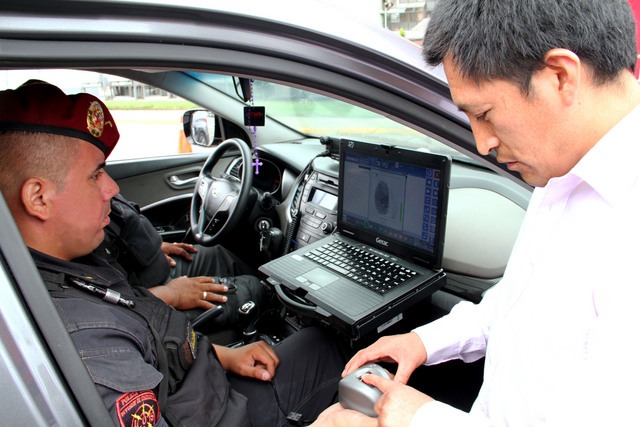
[
  {"x": 138, "y": 409},
  {"x": 95, "y": 119}
]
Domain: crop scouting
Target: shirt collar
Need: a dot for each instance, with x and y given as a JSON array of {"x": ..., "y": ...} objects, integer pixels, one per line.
[
  {"x": 91, "y": 268},
  {"x": 610, "y": 167}
]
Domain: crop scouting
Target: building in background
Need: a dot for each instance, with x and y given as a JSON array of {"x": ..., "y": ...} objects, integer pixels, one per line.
[{"x": 403, "y": 15}]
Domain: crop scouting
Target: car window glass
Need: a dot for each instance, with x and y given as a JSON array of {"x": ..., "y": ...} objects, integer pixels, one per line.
[
  {"x": 150, "y": 119},
  {"x": 317, "y": 115}
]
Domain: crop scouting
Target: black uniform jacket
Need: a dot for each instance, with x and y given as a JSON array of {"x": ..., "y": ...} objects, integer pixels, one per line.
[{"x": 125, "y": 349}]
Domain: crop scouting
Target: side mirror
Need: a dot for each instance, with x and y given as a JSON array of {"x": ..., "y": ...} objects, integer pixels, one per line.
[{"x": 199, "y": 127}]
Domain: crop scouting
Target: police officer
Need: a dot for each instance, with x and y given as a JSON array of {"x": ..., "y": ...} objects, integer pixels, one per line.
[
  {"x": 185, "y": 276},
  {"x": 147, "y": 363}
]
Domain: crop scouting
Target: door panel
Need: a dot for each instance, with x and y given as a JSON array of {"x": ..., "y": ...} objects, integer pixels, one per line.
[
  {"x": 149, "y": 181},
  {"x": 171, "y": 218},
  {"x": 163, "y": 188}
]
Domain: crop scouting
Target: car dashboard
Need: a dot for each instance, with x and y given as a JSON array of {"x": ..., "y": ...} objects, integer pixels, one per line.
[{"x": 477, "y": 246}]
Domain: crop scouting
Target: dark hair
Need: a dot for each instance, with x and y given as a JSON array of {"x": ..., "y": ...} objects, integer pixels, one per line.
[
  {"x": 26, "y": 154},
  {"x": 508, "y": 39}
]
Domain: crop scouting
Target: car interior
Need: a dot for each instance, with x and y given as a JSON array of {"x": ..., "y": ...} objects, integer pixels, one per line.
[
  {"x": 276, "y": 213},
  {"x": 265, "y": 129},
  {"x": 273, "y": 212}
]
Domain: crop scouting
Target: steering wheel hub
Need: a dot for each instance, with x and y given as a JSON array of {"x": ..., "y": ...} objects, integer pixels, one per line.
[{"x": 218, "y": 202}]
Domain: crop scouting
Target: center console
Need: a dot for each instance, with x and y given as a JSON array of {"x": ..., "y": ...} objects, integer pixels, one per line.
[{"x": 318, "y": 203}]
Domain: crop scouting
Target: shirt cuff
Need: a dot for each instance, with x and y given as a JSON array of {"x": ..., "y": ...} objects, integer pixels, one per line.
[
  {"x": 440, "y": 414},
  {"x": 455, "y": 336},
  {"x": 437, "y": 340}
]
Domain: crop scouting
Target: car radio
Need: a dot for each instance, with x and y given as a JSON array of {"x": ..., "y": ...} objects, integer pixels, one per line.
[{"x": 318, "y": 208}]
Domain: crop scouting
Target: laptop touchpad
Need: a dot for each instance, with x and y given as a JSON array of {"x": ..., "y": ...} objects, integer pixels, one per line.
[{"x": 320, "y": 277}]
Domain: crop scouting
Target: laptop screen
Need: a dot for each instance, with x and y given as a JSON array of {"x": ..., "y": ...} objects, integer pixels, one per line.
[{"x": 394, "y": 199}]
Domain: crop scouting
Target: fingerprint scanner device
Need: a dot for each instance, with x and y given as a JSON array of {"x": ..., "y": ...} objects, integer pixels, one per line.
[
  {"x": 355, "y": 394},
  {"x": 386, "y": 253}
]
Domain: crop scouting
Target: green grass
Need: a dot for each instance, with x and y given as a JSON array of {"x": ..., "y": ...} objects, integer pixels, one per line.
[
  {"x": 328, "y": 108},
  {"x": 160, "y": 104}
]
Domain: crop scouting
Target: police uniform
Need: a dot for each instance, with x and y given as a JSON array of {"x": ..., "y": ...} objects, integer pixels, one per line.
[
  {"x": 133, "y": 245},
  {"x": 119, "y": 346}
]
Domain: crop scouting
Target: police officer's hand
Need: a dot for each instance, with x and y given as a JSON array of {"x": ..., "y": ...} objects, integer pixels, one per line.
[
  {"x": 255, "y": 360},
  {"x": 184, "y": 293},
  {"x": 183, "y": 250}
]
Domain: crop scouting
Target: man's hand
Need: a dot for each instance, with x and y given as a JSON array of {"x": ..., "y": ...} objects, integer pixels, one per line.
[
  {"x": 183, "y": 250},
  {"x": 406, "y": 350},
  {"x": 398, "y": 403},
  {"x": 184, "y": 293},
  {"x": 337, "y": 416},
  {"x": 255, "y": 360},
  {"x": 395, "y": 408}
]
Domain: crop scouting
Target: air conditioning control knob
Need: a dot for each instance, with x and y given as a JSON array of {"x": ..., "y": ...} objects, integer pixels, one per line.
[{"x": 326, "y": 227}]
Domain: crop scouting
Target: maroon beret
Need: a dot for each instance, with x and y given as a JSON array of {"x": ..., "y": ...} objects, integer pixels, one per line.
[{"x": 38, "y": 106}]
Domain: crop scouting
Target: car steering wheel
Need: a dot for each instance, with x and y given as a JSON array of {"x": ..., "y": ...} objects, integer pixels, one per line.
[{"x": 218, "y": 202}]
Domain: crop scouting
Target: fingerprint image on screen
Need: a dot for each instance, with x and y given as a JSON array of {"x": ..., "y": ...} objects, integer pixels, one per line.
[
  {"x": 381, "y": 198},
  {"x": 386, "y": 196}
]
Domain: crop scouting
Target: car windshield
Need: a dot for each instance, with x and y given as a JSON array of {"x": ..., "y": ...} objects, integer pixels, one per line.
[
  {"x": 307, "y": 113},
  {"x": 317, "y": 115}
]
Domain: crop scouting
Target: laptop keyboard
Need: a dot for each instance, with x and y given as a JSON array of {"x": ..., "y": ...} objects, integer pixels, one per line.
[{"x": 365, "y": 268}]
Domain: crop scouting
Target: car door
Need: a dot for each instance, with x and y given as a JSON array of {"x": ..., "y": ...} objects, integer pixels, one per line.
[{"x": 162, "y": 187}]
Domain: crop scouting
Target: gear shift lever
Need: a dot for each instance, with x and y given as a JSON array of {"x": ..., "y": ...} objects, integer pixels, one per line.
[{"x": 248, "y": 315}]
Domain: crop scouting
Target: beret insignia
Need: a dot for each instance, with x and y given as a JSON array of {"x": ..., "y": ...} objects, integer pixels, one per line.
[{"x": 95, "y": 119}]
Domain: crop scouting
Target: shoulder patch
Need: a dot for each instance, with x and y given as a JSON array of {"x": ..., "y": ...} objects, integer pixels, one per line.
[{"x": 138, "y": 409}]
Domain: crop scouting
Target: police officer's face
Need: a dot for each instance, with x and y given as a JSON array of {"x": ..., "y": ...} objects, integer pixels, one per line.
[{"x": 81, "y": 208}]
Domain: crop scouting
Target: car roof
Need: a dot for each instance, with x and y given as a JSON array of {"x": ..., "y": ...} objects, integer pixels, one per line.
[{"x": 323, "y": 50}]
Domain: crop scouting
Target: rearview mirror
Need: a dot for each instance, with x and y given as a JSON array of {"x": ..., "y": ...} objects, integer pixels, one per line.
[{"x": 199, "y": 127}]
